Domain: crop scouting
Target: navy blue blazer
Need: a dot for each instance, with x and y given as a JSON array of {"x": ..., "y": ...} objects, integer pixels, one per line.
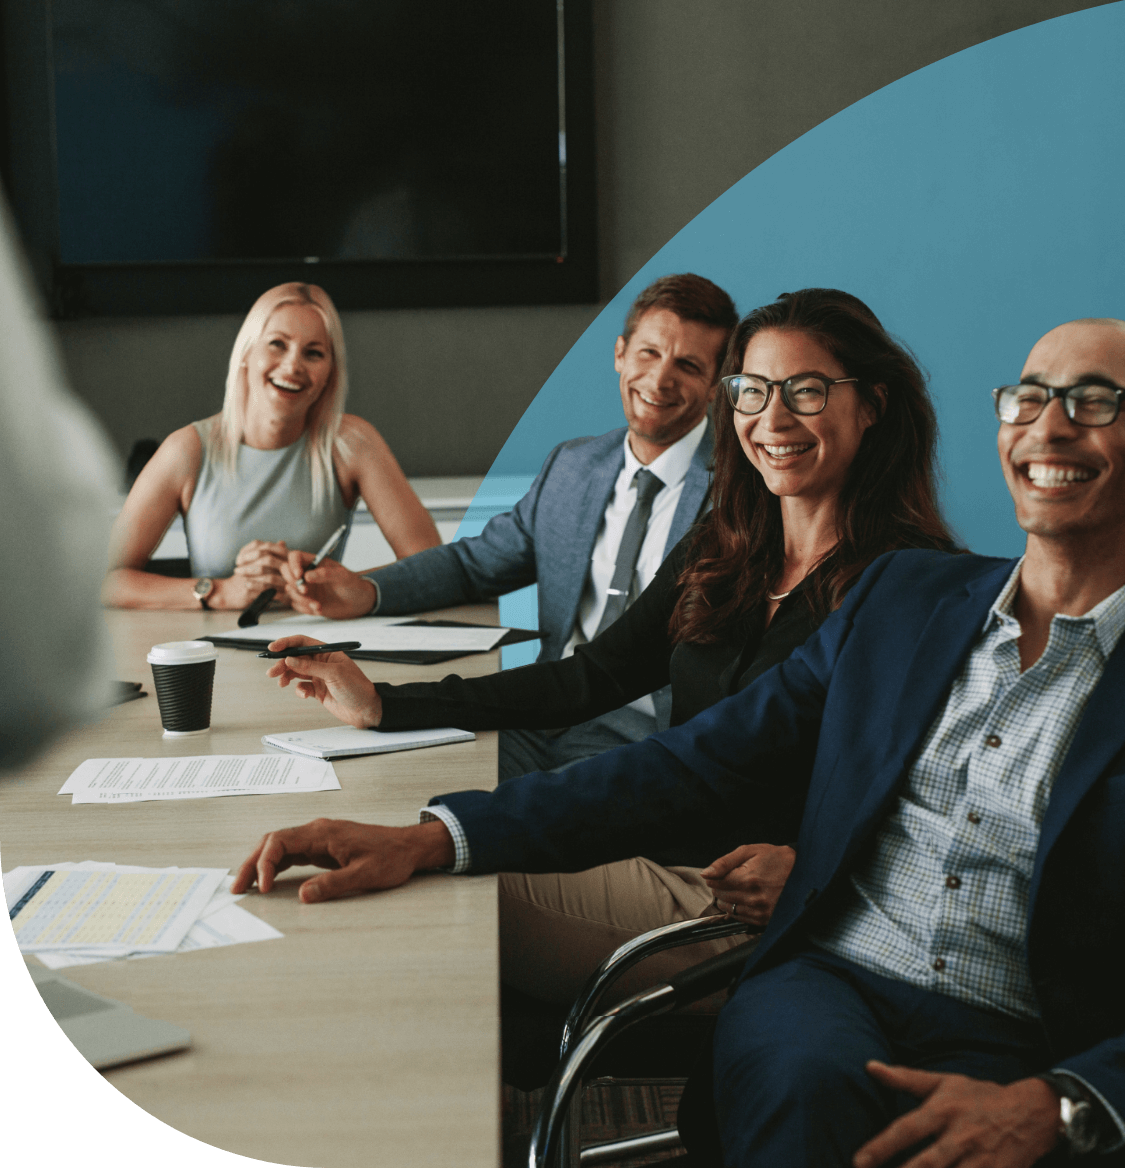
[
  {"x": 853, "y": 704},
  {"x": 547, "y": 539}
]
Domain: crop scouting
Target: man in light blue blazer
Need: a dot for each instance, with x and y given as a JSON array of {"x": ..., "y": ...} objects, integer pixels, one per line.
[{"x": 565, "y": 535}]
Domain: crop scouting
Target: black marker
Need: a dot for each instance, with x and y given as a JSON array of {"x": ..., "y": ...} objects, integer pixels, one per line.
[
  {"x": 310, "y": 650},
  {"x": 256, "y": 608}
]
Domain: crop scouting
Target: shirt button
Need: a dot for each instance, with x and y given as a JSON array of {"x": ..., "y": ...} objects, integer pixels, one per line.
[
  {"x": 973, "y": 817},
  {"x": 939, "y": 965},
  {"x": 953, "y": 882},
  {"x": 992, "y": 740}
]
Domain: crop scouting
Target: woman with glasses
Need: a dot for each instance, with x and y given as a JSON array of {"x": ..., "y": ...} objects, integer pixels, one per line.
[
  {"x": 824, "y": 460},
  {"x": 281, "y": 467}
]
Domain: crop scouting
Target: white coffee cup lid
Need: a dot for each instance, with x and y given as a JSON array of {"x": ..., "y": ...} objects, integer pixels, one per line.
[{"x": 182, "y": 653}]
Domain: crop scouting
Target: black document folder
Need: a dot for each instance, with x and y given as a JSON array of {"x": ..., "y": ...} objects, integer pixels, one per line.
[{"x": 419, "y": 657}]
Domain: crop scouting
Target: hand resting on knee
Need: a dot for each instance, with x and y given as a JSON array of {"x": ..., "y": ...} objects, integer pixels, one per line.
[{"x": 748, "y": 881}]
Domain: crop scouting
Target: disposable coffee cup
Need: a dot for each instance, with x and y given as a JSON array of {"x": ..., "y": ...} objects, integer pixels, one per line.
[{"x": 183, "y": 673}]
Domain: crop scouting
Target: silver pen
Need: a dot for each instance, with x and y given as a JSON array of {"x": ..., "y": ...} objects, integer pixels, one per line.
[{"x": 330, "y": 543}]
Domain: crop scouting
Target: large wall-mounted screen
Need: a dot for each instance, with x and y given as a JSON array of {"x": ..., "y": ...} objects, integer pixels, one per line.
[{"x": 234, "y": 135}]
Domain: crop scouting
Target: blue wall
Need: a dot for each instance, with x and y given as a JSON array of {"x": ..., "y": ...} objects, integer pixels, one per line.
[{"x": 973, "y": 204}]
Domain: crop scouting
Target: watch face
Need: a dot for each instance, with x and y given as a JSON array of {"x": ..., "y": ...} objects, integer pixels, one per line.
[
  {"x": 1080, "y": 1126},
  {"x": 203, "y": 587}
]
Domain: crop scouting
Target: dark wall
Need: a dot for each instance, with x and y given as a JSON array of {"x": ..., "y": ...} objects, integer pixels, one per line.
[{"x": 689, "y": 98}]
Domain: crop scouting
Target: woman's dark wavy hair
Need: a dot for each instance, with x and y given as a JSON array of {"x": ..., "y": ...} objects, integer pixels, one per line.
[{"x": 887, "y": 502}]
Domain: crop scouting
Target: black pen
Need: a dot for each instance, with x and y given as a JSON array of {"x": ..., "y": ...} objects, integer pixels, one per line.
[
  {"x": 310, "y": 650},
  {"x": 256, "y": 608}
]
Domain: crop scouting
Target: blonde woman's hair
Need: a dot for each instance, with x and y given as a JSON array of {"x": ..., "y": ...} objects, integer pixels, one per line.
[{"x": 322, "y": 430}]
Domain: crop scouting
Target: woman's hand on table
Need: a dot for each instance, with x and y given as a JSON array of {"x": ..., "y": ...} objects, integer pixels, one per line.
[
  {"x": 262, "y": 559},
  {"x": 334, "y": 679},
  {"x": 257, "y": 567},
  {"x": 330, "y": 590},
  {"x": 748, "y": 881},
  {"x": 239, "y": 591},
  {"x": 362, "y": 856}
]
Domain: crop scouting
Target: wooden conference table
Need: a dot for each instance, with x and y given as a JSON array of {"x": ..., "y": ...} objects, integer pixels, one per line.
[{"x": 369, "y": 1033}]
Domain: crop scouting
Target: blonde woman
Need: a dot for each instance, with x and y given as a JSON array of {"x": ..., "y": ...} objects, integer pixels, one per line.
[{"x": 280, "y": 468}]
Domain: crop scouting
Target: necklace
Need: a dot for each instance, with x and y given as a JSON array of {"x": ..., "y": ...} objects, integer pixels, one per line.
[{"x": 771, "y": 596}]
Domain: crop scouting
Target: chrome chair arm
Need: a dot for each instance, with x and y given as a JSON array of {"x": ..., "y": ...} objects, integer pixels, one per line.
[
  {"x": 626, "y": 956},
  {"x": 568, "y": 1075},
  {"x": 686, "y": 986}
]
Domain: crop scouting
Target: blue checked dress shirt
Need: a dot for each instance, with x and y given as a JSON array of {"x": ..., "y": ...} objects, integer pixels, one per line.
[{"x": 942, "y": 903}]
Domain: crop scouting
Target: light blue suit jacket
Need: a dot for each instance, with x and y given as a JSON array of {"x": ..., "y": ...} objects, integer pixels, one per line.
[{"x": 547, "y": 539}]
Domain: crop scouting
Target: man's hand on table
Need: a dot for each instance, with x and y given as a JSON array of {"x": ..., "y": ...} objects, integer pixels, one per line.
[
  {"x": 330, "y": 590},
  {"x": 334, "y": 679},
  {"x": 748, "y": 881},
  {"x": 362, "y": 856},
  {"x": 972, "y": 1123}
]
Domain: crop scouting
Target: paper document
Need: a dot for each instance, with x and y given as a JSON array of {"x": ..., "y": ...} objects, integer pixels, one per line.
[
  {"x": 220, "y": 922},
  {"x": 375, "y": 634},
  {"x": 133, "y": 780},
  {"x": 106, "y": 910}
]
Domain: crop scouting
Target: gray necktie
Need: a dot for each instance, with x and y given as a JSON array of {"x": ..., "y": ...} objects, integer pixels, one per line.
[{"x": 620, "y": 593}]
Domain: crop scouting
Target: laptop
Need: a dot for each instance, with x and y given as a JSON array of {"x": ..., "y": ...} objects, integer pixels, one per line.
[{"x": 107, "y": 1033}]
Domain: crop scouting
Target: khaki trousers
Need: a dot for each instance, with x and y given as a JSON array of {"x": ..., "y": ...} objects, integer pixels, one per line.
[{"x": 557, "y": 928}]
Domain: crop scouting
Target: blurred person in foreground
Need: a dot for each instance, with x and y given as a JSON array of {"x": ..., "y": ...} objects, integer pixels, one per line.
[{"x": 56, "y": 476}]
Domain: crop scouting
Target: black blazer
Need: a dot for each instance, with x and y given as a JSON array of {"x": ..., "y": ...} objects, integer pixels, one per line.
[{"x": 633, "y": 657}]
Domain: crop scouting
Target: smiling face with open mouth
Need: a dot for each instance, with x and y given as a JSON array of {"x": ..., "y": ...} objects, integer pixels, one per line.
[
  {"x": 290, "y": 363},
  {"x": 806, "y": 456},
  {"x": 666, "y": 373},
  {"x": 1067, "y": 479}
]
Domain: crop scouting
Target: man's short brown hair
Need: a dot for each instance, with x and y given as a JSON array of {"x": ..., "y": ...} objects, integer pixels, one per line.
[{"x": 690, "y": 296}]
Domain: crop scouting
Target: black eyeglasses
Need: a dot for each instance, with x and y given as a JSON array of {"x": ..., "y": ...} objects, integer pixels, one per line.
[
  {"x": 805, "y": 394},
  {"x": 1086, "y": 405}
]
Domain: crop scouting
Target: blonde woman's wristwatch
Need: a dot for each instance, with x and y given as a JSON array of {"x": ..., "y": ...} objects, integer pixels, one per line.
[{"x": 202, "y": 589}]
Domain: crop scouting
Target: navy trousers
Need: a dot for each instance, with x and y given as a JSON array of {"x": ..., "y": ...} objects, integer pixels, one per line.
[{"x": 791, "y": 1044}]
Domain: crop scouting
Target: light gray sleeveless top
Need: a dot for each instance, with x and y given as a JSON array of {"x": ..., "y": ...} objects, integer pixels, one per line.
[{"x": 270, "y": 497}]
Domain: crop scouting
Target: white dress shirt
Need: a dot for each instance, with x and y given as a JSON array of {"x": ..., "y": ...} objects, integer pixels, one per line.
[{"x": 670, "y": 467}]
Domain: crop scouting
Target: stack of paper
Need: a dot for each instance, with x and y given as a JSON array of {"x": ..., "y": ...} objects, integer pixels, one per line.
[
  {"x": 78, "y": 914},
  {"x": 133, "y": 780}
]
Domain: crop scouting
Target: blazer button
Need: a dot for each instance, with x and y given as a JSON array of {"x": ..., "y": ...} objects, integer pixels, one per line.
[
  {"x": 939, "y": 965},
  {"x": 973, "y": 817},
  {"x": 992, "y": 740},
  {"x": 953, "y": 882},
  {"x": 810, "y": 897}
]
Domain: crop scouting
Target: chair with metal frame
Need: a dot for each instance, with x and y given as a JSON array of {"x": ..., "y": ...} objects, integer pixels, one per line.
[{"x": 556, "y": 1136}]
